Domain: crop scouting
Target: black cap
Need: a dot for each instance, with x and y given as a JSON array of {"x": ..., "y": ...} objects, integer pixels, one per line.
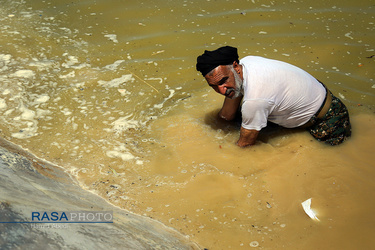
[{"x": 211, "y": 59}]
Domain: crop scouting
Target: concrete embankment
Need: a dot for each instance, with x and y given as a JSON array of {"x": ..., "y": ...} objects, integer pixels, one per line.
[{"x": 29, "y": 185}]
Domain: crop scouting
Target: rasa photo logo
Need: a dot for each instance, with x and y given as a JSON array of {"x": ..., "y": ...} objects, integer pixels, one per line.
[
  {"x": 72, "y": 217},
  {"x": 67, "y": 217}
]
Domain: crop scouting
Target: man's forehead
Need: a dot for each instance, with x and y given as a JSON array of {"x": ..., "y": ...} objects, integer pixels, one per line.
[{"x": 217, "y": 74}]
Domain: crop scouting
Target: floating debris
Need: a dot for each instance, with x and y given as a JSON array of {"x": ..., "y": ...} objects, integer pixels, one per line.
[
  {"x": 268, "y": 205},
  {"x": 114, "y": 171},
  {"x": 307, "y": 207},
  {"x": 144, "y": 81},
  {"x": 254, "y": 243},
  {"x": 158, "y": 52}
]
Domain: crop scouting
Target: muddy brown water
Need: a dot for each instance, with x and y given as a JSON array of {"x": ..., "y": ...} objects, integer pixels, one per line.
[{"x": 108, "y": 90}]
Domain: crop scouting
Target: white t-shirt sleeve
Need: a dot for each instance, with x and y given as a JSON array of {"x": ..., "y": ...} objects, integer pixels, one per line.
[{"x": 255, "y": 113}]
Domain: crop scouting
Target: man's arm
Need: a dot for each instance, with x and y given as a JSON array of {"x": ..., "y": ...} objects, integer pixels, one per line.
[
  {"x": 229, "y": 109},
  {"x": 247, "y": 137}
]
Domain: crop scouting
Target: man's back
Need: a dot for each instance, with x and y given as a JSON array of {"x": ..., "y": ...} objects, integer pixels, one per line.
[{"x": 278, "y": 91}]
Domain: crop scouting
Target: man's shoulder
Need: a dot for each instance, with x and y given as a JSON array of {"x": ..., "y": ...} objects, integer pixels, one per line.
[
  {"x": 251, "y": 58},
  {"x": 255, "y": 61}
]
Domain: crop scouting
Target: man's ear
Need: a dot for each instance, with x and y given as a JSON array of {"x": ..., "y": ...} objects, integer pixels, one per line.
[{"x": 236, "y": 67}]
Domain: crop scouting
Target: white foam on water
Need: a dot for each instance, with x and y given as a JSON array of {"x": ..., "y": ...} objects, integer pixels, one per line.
[
  {"x": 4, "y": 59},
  {"x": 124, "y": 92},
  {"x": 155, "y": 78},
  {"x": 27, "y": 114},
  {"x": 69, "y": 75},
  {"x": 6, "y": 92},
  {"x": 43, "y": 114},
  {"x": 124, "y": 123},
  {"x": 66, "y": 111},
  {"x": 42, "y": 99},
  {"x": 125, "y": 156},
  {"x": 72, "y": 62},
  {"x": 8, "y": 112},
  {"x": 115, "y": 83},
  {"x": 25, "y": 133},
  {"x": 112, "y": 37},
  {"x": 114, "y": 65},
  {"x": 23, "y": 73},
  {"x": 32, "y": 124},
  {"x": 3, "y": 104},
  {"x": 171, "y": 94},
  {"x": 41, "y": 65}
]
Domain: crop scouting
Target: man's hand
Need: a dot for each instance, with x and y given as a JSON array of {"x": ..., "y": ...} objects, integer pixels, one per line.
[{"x": 247, "y": 137}]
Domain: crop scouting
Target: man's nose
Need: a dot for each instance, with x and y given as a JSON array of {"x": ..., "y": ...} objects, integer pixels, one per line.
[{"x": 221, "y": 89}]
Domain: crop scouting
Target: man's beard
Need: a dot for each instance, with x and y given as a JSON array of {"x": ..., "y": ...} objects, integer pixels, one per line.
[{"x": 238, "y": 85}]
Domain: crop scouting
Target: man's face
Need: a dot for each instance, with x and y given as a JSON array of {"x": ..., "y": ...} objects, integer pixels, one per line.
[{"x": 225, "y": 80}]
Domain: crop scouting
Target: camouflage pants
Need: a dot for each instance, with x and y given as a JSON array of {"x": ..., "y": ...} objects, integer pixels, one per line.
[{"x": 334, "y": 128}]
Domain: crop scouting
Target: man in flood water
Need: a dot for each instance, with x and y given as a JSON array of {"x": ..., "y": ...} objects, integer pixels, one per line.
[{"x": 274, "y": 91}]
